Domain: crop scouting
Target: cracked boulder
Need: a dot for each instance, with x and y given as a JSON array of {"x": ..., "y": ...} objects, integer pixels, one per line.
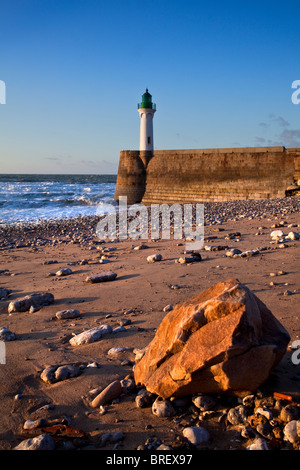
[{"x": 224, "y": 340}]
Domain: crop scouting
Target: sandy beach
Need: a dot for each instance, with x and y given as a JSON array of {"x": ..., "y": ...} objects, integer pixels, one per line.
[{"x": 133, "y": 304}]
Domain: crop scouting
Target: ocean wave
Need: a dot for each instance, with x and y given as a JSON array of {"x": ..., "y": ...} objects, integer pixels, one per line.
[{"x": 26, "y": 199}]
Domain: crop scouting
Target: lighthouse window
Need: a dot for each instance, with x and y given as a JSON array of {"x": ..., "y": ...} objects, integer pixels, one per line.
[{"x": 148, "y": 140}]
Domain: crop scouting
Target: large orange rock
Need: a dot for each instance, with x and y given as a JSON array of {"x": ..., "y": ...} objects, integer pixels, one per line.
[{"x": 224, "y": 340}]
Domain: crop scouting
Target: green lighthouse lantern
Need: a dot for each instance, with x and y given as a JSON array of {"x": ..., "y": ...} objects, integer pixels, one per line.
[{"x": 146, "y": 101}]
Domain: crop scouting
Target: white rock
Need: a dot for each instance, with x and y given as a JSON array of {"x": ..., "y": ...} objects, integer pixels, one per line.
[
  {"x": 293, "y": 236},
  {"x": 154, "y": 258},
  {"x": 69, "y": 313},
  {"x": 116, "y": 352},
  {"x": 167, "y": 308},
  {"x": 162, "y": 408},
  {"x": 290, "y": 431},
  {"x": 41, "y": 442},
  {"x": 277, "y": 234},
  {"x": 196, "y": 435},
  {"x": 258, "y": 444},
  {"x": 90, "y": 336},
  {"x": 6, "y": 335},
  {"x": 265, "y": 412}
]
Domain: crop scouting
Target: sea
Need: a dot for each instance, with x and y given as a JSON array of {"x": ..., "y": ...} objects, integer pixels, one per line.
[{"x": 34, "y": 198}]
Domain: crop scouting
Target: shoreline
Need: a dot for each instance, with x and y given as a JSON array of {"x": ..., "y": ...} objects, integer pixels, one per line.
[{"x": 133, "y": 302}]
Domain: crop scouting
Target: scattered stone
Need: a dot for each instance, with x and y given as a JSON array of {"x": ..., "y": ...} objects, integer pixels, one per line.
[
  {"x": 6, "y": 334},
  {"x": 167, "y": 308},
  {"x": 116, "y": 352},
  {"x": 4, "y": 293},
  {"x": 33, "y": 424},
  {"x": 289, "y": 413},
  {"x": 196, "y": 435},
  {"x": 67, "y": 314},
  {"x": 111, "y": 437},
  {"x": 64, "y": 272},
  {"x": 90, "y": 336},
  {"x": 292, "y": 431},
  {"x": 66, "y": 372},
  {"x": 163, "y": 408},
  {"x": 154, "y": 258},
  {"x": 225, "y": 332},
  {"x": 51, "y": 261},
  {"x": 232, "y": 252},
  {"x": 277, "y": 234},
  {"x": 128, "y": 385},
  {"x": 144, "y": 398},
  {"x": 258, "y": 444},
  {"x": 237, "y": 415},
  {"x": 41, "y": 442},
  {"x": 293, "y": 236},
  {"x": 35, "y": 300},
  {"x": 101, "y": 277},
  {"x": 265, "y": 412},
  {"x": 112, "y": 391},
  {"x": 204, "y": 402},
  {"x": 52, "y": 374},
  {"x": 141, "y": 247}
]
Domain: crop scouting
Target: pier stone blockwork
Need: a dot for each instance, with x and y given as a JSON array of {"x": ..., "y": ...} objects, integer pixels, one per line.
[{"x": 191, "y": 176}]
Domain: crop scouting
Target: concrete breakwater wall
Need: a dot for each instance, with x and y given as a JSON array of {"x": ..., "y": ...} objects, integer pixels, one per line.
[{"x": 190, "y": 176}]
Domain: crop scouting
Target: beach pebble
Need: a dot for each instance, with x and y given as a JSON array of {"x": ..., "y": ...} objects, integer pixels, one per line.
[
  {"x": 101, "y": 277},
  {"x": 162, "y": 408},
  {"x": 232, "y": 252},
  {"x": 42, "y": 442},
  {"x": 111, "y": 437},
  {"x": 66, "y": 371},
  {"x": 69, "y": 313},
  {"x": 196, "y": 435},
  {"x": 6, "y": 335},
  {"x": 167, "y": 308},
  {"x": 113, "y": 390},
  {"x": 144, "y": 398},
  {"x": 154, "y": 258},
  {"x": 258, "y": 444},
  {"x": 289, "y": 413},
  {"x": 140, "y": 247},
  {"x": 293, "y": 236},
  {"x": 128, "y": 385},
  {"x": 52, "y": 374},
  {"x": 47, "y": 374},
  {"x": 277, "y": 234},
  {"x": 291, "y": 431},
  {"x": 90, "y": 336},
  {"x": 4, "y": 293},
  {"x": 64, "y": 272},
  {"x": 35, "y": 300},
  {"x": 116, "y": 352},
  {"x": 203, "y": 402},
  {"x": 264, "y": 412},
  {"x": 33, "y": 424},
  {"x": 237, "y": 415}
]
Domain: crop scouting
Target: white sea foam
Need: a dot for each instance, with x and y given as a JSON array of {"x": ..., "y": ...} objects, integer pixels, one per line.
[{"x": 30, "y": 198}]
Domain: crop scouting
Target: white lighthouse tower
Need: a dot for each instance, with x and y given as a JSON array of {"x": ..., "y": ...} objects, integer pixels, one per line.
[{"x": 146, "y": 110}]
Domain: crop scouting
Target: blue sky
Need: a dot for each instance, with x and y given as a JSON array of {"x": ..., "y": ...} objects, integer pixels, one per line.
[{"x": 220, "y": 73}]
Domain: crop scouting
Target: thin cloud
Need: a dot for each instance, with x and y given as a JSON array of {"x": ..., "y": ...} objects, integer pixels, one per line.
[{"x": 291, "y": 137}]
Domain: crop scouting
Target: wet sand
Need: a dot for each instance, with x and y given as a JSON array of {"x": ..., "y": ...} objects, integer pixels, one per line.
[{"x": 139, "y": 293}]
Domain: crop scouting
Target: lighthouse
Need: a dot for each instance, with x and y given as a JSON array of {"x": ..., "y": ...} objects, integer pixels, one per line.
[{"x": 146, "y": 110}]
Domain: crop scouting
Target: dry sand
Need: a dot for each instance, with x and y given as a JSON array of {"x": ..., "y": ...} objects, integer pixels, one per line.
[{"x": 145, "y": 288}]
